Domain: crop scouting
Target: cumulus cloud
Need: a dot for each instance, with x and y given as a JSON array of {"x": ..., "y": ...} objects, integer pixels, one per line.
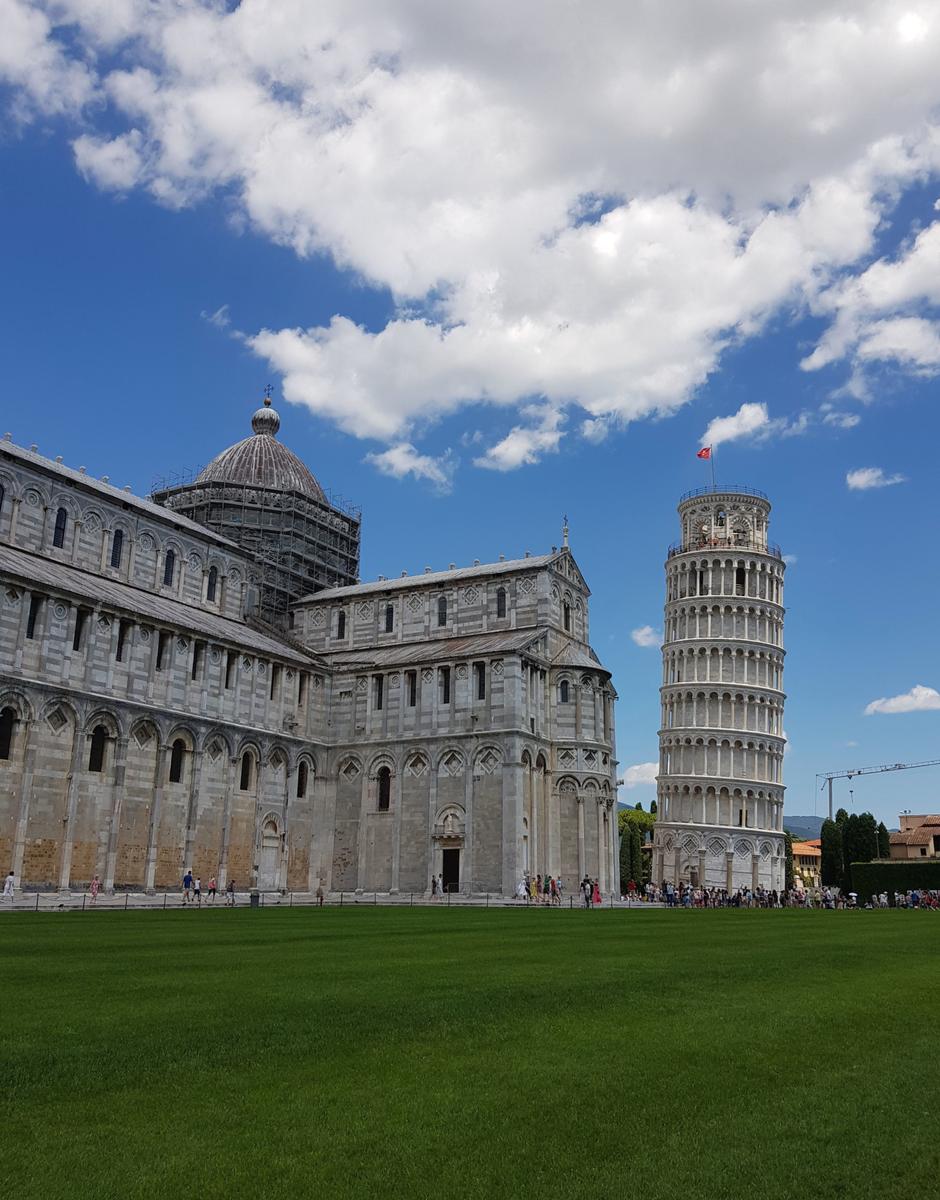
[
  {"x": 748, "y": 420},
  {"x": 589, "y": 223},
  {"x": 403, "y": 459},
  {"x": 864, "y": 478},
  {"x": 918, "y": 699},
  {"x": 646, "y": 635},
  {"x": 525, "y": 443},
  {"x": 640, "y": 775},
  {"x": 789, "y": 559}
]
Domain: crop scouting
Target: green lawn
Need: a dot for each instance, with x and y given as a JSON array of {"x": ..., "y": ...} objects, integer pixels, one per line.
[{"x": 454, "y": 1053}]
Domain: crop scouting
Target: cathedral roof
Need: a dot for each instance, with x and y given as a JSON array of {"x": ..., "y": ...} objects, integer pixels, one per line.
[
  {"x": 403, "y": 653},
  {"x": 437, "y": 578},
  {"x": 33, "y": 569},
  {"x": 262, "y": 461}
]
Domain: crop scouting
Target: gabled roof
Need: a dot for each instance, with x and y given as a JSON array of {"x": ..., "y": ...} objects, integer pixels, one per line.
[
  {"x": 113, "y": 494},
  {"x": 34, "y": 571},
  {"x": 433, "y": 578},
  {"x": 402, "y": 653},
  {"x": 923, "y": 835},
  {"x": 807, "y": 850},
  {"x": 572, "y": 654}
]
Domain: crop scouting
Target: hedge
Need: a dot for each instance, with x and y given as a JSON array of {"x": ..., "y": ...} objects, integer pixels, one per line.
[{"x": 903, "y": 875}]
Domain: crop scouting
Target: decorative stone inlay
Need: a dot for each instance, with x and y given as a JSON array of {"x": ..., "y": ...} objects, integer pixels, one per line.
[
  {"x": 57, "y": 720},
  {"x": 394, "y": 681},
  {"x": 181, "y": 643},
  {"x": 194, "y": 562},
  {"x": 462, "y": 671},
  {"x": 316, "y": 618},
  {"x": 497, "y": 667},
  {"x": 567, "y": 758},
  {"x": 417, "y": 765},
  {"x": 364, "y": 610},
  {"x": 488, "y": 762},
  {"x": 234, "y": 575},
  {"x": 61, "y": 611},
  {"x": 427, "y": 674},
  {"x": 452, "y": 764},
  {"x": 414, "y": 602},
  {"x": 590, "y": 758},
  {"x": 215, "y": 654},
  {"x": 351, "y": 769},
  {"x": 92, "y": 523},
  {"x": 246, "y": 663},
  {"x": 144, "y": 633},
  {"x": 214, "y": 751},
  {"x": 143, "y": 736},
  {"x": 471, "y": 595},
  {"x": 33, "y": 498},
  {"x": 12, "y": 595},
  {"x": 146, "y": 542},
  {"x": 262, "y": 668},
  {"x": 526, "y": 586},
  {"x": 103, "y": 623}
]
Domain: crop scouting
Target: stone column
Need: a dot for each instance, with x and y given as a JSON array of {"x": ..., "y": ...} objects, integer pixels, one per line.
[
  {"x": 701, "y": 867},
  {"x": 755, "y": 870},
  {"x": 65, "y": 863},
  {"x": 26, "y": 788},
  {"x": 512, "y": 822},
  {"x": 159, "y": 775},
  {"x": 582, "y": 868},
  {"x": 195, "y": 778},
  {"x": 602, "y": 883},
  {"x": 535, "y": 794},
  {"x": 729, "y": 872},
  {"x": 117, "y": 805},
  {"x": 396, "y": 782},
  {"x": 227, "y": 783}
]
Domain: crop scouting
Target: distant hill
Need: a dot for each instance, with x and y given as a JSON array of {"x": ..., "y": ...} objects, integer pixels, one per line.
[{"x": 803, "y": 828}]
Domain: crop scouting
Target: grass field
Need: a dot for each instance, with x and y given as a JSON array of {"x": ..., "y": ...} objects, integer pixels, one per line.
[{"x": 470, "y": 1053}]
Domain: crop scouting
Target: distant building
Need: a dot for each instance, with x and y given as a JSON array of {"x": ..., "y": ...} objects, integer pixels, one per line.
[
  {"x": 919, "y": 837},
  {"x": 807, "y": 863}
]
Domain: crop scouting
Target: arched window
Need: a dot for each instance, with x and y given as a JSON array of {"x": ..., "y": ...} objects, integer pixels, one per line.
[
  {"x": 442, "y": 610},
  {"x": 245, "y": 781},
  {"x": 301, "y": 780},
  {"x": 7, "y": 719},
  {"x": 500, "y": 602},
  {"x": 341, "y": 625},
  {"x": 567, "y": 618},
  {"x": 212, "y": 583},
  {"x": 564, "y": 691},
  {"x": 58, "y": 534},
  {"x": 176, "y": 761},
  {"x": 385, "y": 789},
  {"x": 99, "y": 738},
  {"x": 117, "y": 547},
  {"x": 169, "y": 567},
  {"x": 2, "y": 495},
  {"x": 389, "y": 618}
]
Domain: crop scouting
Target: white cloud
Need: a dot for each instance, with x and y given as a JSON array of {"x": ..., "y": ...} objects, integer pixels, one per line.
[
  {"x": 640, "y": 775},
  {"x": 525, "y": 444},
  {"x": 918, "y": 699},
  {"x": 403, "y": 459},
  {"x": 220, "y": 318},
  {"x": 864, "y": 478},
  {"x": 590, "y": 223},
  {"x": 646, "y": 635},
  {"x": 748, "y": 420},
  {"x": 789, "y": 559},
  {"x": 841, "y": 420}
]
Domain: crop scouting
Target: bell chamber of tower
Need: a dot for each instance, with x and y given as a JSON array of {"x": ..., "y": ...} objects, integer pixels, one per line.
[{"x": 721, "y": 740}]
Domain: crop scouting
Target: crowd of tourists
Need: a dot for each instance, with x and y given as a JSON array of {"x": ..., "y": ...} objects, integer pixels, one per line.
[
  {"x": 550, "y": 890},
  {"x": 686, "y": 896}
]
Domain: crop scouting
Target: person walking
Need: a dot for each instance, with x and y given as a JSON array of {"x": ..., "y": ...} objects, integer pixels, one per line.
[
  {"x": 95, "y": 888},
  {"x": 320, "y": 895},
  {"x": 230, "y": 894},
  {"x": 187, "y": 886},
  {"x": 8, "y": 887},
  {"x": 596, "y": 894},
  {"x": 212, "y": 891},
  {"x": 440, "y": 886},
  {"x": 197, "y": 891}
]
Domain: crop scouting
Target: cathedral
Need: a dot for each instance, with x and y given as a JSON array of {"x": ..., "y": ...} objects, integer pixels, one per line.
[{"x": 199, "y": 680}]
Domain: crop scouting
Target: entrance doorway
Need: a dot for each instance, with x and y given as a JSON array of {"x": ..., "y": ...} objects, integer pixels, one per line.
[
  {"x": 450, "y": 869},
  {"x": 270, "y": 857}
]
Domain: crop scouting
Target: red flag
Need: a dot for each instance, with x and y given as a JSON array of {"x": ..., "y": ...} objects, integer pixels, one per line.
[{"x": 705, "y": 452}]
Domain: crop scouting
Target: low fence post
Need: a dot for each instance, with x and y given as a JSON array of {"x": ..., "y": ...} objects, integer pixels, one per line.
[
  {"x": 375, "y": 897},
  {"x": 291, "y": 899},
  {"x": 127, "y": 897},
  {"x": 164, "y": 901},
  {"x": 83, "y": 901},
  {"x": 37, "y": 902},
  {"x": 341, "y": 899},
  {"x": 412, "y": 899}
]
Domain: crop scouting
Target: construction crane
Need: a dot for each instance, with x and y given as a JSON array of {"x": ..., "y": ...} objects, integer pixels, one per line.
[{"x": 828, "y": 776}]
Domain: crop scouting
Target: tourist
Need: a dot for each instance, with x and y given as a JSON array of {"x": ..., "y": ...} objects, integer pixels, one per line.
[
  {"x": 554, "y": 892},
  {"x": 187, "y": 886},
  {"x": 522, "y": 889},
  {"x": 596, "y": 893},
  {"x": 212, "y": 890},
  {"x": 531, "y": 889},
  {"x": 95, "y": 888},
  {"x": 230, "y": 893},
  {"x": 440, "y": 885},
  {"x": 559, "y": 884},
  {"x": 197, "y": 891},
  {"x": 546, "y": 890},
  {"x": 320, "y": 894},
  {"x": 8, "y": 887}
]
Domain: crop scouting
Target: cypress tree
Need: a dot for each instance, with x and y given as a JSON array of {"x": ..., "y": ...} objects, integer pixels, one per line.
[
  {"x": 788, "y": 867},
  {"x": 831, "y": 862},
  {"x": 653, "y": 808},
  {"x": 884, "y": 841},
  {"x": 636, "y": 855},
  {"x": 626, "y": 864}
]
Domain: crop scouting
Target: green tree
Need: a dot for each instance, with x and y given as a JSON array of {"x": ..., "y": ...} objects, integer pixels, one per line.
[
  {"x": 653, "y": 808},
  {"x": 626, "y": 859},
  {"x": 831, "y": 863},
  {"x": 788, "y": 866},
  {"x": 636, "y": 855},
  {"x": 859, "y": 843},
  {"x": 884, "y": 841},
  {"x": 638, "y": 807},
  {"x": 841, "y": 816}
]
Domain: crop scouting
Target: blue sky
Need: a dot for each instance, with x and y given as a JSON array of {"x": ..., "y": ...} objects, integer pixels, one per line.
[{"x": 465, "y": 343}]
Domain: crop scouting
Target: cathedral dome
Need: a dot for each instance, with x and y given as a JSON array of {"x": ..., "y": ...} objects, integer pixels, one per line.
[{"x": 262, "y": 461}]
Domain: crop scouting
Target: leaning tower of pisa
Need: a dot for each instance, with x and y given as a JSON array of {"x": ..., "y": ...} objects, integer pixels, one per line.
[{"x": 720, "y": 783}]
